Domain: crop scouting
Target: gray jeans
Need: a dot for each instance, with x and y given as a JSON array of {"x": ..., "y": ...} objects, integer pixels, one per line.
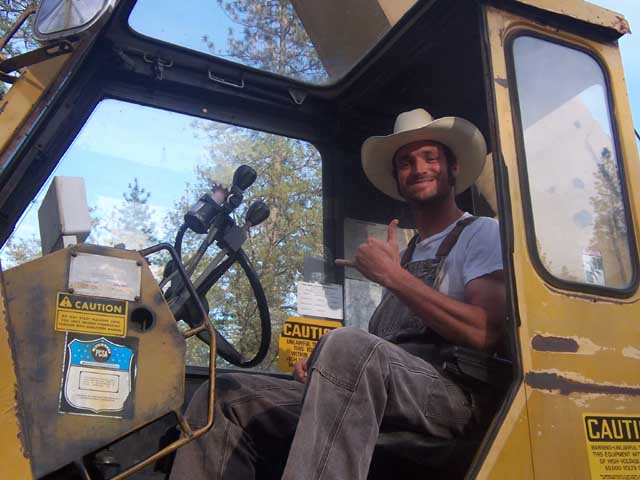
[{"x": 358, "y": 384}]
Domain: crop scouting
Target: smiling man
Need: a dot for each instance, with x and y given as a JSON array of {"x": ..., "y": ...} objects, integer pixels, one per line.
[{"x": 445, "y": 290}]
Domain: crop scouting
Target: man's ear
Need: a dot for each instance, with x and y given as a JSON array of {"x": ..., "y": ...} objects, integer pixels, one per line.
[{"x": 455, "y": 168}]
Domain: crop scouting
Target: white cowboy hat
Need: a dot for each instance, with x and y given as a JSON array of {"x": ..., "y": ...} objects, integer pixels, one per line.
[{"x": 461, "y": 136}]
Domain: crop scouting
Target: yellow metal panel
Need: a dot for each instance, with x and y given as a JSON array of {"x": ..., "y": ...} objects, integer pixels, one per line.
[
  {"x": 12, "y": 454},
  {"x": 601, "y": 371},
  {"x": 509, "y": 457},
  {"x": 585, "y": 11},
  {"x": 25, "y": 93}
]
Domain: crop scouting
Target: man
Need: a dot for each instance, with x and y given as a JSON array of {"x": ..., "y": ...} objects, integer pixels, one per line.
[{"x": 446, "y": 290}]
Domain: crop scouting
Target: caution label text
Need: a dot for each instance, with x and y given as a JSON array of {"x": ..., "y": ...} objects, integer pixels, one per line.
[
  {"x": 299, "y": 337},
  {"x": 82, "y": 314},
  {"x": 613, "y": 446}
]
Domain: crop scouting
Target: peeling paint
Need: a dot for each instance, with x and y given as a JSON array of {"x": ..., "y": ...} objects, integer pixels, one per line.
[
  {"x": 621, "y": 25},
  {"x": 554, "y": 344},
  {"x": 502, "y": 82},
  {"x": 631, "y": 352},
  {"x": 544, "y": 342},
  {"x": 561, "y": 383}
]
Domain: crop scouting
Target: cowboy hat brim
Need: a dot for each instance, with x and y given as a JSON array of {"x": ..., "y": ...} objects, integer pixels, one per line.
[{"x": 461, "y": 136}]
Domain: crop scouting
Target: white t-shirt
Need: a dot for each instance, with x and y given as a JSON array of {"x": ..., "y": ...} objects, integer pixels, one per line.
[{"x": 476, "y": 253}]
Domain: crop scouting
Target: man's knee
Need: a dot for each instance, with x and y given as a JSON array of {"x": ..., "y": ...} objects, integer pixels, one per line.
[{"x": 342, "y": 353}]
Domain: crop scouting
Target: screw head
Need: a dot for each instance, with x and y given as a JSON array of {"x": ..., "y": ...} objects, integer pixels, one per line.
[
  {"x": 136, "y": 298},
  {"x": 70, "y": 290}
]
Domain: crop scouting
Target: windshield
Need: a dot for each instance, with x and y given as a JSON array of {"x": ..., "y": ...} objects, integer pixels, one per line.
[{"x": 144, "y": 168}]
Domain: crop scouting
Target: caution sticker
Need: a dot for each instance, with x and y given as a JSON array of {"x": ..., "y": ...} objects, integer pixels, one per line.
[
  {"x": 613, "y": 446},
  {"x": 82, "y": 314},
  {"x": 299, "y": 337}
]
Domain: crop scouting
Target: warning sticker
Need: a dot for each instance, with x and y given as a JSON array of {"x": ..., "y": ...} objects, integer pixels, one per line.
[
  {"x": 98, "y": 376},
  {"x": 299, "y": 337},
  {"x": 82, "y": 314},
  {"x": 613, "y": 446}
]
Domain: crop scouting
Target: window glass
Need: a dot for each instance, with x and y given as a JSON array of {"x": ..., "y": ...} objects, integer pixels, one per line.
[
  {"x": 572, "y": 164},
  {"x": 144, "y": 167},
  {"x": 308, "y": 40}
]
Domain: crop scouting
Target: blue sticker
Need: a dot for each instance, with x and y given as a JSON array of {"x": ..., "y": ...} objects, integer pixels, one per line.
[{"x": 99, "y": 376}]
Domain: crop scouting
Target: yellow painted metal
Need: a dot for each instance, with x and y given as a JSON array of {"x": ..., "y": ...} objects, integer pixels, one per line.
[
  {"x": 606, "y": 330},
  {"x": 509, "y": 457},
  {"x": 12, "y": 451},
  {"x": 585, "y": 11},
  {"x": 22, "y": 97}
]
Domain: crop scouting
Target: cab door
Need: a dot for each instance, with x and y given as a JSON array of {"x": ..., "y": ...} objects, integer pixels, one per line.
[{"x": 569, "y": 162}]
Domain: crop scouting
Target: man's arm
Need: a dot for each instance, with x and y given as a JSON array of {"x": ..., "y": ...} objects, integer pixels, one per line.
[{"x": 477, "y": 322}]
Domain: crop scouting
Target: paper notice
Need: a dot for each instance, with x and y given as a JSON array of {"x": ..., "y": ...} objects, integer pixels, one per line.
[{"x": 322, "y": 300}]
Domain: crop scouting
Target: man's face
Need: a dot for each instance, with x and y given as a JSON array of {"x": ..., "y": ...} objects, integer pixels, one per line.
[{"x": 422, "y": 173}]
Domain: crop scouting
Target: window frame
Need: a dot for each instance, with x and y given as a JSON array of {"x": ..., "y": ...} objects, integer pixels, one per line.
[{"x": 530, "y": 233}]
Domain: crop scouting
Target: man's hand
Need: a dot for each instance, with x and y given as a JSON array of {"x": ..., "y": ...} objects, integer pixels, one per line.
[
  {"x": 376, "y": 259},
  {"x": 300, "y": 370}
]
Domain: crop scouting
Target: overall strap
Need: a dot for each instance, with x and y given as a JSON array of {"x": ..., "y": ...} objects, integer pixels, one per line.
[
  {"x": 446, "y": 245},
  {"x": 451, "y": 239}
]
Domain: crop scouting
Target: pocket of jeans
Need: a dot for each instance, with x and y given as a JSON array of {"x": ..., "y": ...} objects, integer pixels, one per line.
[{"x": 448, "y": 404}]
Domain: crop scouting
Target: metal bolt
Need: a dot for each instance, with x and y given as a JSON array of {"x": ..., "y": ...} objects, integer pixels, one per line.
[
  {"x": 74, "y": 253},
  {"x": 138, "y": 263},
  {"x": 136, "y": 298},
  {"x": 71, "y": 289}
]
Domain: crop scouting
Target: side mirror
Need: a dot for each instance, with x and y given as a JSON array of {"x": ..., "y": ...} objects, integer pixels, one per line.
[{"x": 57, "y": 19}]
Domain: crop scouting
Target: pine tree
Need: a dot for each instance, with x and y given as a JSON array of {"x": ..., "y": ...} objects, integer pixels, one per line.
[{"x": 131, "y": 223}]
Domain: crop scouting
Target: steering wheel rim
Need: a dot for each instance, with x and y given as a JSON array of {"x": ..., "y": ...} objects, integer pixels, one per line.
[{"x": 225, "y": 349}]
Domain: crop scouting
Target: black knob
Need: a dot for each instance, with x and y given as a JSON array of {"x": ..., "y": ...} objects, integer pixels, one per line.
[
  {"x": 243, "y": 177},
  {"x": 257, "y": 213}
]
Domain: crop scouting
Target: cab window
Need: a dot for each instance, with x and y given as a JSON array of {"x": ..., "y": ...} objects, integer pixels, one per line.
[
  {"x": 144, "y": 167},
  {"x": 314, "y": 42},
  {"x": 581, "y": 225}
]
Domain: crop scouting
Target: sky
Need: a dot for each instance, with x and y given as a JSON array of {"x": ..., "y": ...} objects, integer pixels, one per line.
[{"x": 123, "y": 141}]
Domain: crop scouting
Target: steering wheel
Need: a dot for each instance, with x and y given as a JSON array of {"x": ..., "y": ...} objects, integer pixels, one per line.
[{"x": 189, "y": 312}]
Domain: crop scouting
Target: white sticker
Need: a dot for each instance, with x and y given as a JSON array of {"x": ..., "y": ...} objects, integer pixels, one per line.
[
  {"x": 320, "y": 300},
  {"x": 104, "y": 276}
]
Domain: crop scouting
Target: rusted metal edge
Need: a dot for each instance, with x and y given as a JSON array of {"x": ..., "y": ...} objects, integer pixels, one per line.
[
  {"x": 565, "y": 386},
  {"x": 544, "y": 343},
  {"x": 23, "y": 434},
  {"x": 582, "y": 11}
]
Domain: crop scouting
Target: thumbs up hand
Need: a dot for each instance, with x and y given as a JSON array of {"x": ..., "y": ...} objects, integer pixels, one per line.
[{"x": 377, "y": 260}]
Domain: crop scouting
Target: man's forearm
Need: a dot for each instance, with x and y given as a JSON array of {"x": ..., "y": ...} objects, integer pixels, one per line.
[{"x": 458, "y": 322}]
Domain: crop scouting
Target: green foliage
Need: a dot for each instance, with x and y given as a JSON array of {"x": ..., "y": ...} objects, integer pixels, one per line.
[
  {"x": 21, "y": 250},
  {"x": 22, "y": 41},
  {"x": 270, "y": 37},
  {"x": 289, "y": 181}
]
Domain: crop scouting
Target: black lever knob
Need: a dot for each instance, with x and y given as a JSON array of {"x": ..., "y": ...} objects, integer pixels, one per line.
[
  {"x": 243, "y": 177},
  {"x": 257, "y": 213}
]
